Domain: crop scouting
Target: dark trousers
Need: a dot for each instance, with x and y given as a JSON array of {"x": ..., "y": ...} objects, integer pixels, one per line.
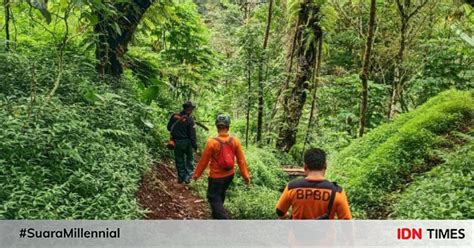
[
  {"x": 184, "y": 159},
  {"x": 217, "y": 187}
]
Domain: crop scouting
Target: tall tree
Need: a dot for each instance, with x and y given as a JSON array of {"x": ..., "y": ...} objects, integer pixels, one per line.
[
  {"x": 313, "y": 110},
  {"x": 6, "y": 6},
  {"x": 260, "y": 73},
  {"x": 289, "y": 70},
  {"x": 308, "y": 34},
  {"x": 406, "y": 11},
  {"x": 115, "y": 31},
  {"x": 249, "y": 104},
  {"x": 364, "y": 74}
]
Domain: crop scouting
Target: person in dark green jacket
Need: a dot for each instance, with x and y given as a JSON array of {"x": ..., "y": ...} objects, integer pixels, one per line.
[{"x": 182, "y": 128}]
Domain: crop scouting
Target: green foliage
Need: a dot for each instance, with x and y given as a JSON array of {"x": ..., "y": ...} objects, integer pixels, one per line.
[
  {"x": 444, "y": 192},
  {"x": 173, "y": 52},
  {"x": 266, "y": 169},
  {"x": 339, "y": 109},
  {"x": 384, "y": 159},
  {"x": 257, "y": 202},
  {"x": 81, "y": 153},
  {"x": 78, "y": 156}
]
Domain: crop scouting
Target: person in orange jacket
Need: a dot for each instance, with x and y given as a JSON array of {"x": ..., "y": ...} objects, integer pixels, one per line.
[
  {"x": 219, "y": 154},
  {"x": 314, "y": 197}
]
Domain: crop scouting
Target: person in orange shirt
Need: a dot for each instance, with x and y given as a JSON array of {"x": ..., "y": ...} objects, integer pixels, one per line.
[
  {"x": 219, "y": 154},
  {"x": 314, "y": 197}
]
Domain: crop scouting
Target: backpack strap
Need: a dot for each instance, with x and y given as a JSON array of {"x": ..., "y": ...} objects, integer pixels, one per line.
[
  {"x": 177, "y": 120},
  {"x": 331, "y": 199},
  {"x": 230, "y": 141}
]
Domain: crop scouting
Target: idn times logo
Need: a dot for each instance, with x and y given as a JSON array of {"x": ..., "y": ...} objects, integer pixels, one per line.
[{"x": 430, "y": 233}]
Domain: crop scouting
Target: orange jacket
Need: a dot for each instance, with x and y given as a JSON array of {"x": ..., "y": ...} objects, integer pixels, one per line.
[
  {"x": 210, "y": 155},
  {"x": 309, "y": 199}
]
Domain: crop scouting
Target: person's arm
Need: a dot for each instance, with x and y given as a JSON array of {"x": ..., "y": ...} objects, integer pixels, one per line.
[
  {"x": 192, "y": 133},
  {"x": 342, "y": 207},
  {"x": 204, "y": 161},
  {"x": 283, "y": 204},
  {"x": 239, "y": 153}
]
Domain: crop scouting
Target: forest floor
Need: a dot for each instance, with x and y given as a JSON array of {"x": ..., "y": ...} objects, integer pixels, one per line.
[{"x": 161, "y": 194}]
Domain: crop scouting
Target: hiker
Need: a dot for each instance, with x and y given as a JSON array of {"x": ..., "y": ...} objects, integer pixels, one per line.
[
  {"x": 313, "y": 197},
  {"x": 183, "y": 141},
  {"x": 221, "y": 153}
]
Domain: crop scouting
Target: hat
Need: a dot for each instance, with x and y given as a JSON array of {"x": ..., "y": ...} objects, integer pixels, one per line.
[
  {"x": 223, "y": 120},
  {"x": 188, "y": 104}
]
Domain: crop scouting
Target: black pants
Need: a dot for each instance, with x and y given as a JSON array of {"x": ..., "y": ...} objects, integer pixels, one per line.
[{"x": 217, "y": 187}]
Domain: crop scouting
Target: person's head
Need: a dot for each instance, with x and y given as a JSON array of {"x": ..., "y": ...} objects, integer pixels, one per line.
[
  {"x": 315, "y": 160},
  {"x": 222, "y": 123},
  {"x": 188, "y": 107}
]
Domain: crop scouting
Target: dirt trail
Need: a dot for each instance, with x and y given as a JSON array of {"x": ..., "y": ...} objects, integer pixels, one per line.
[{"x": 166, "y": 199}]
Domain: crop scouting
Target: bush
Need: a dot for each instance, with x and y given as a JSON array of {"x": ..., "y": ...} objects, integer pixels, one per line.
[
  {"x": 445, "y": 192},
  {"x": 257, "y": 202},
  {"x": 384, "y": 159},
  {"x": 80, "y": 155}
]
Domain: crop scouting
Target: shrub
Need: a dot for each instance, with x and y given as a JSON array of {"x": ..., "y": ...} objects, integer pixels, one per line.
[
  {"x": 257, "y": 202},
  {"x": 384, "y": 159},
  {"x": 80, "y": 155},
  {"x": 445, "y": 192}
]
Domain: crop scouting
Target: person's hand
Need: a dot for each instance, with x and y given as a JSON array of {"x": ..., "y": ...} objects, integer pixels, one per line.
[
  {"x": 247, "y": 181},
  {"x": 284, "y": 217}
]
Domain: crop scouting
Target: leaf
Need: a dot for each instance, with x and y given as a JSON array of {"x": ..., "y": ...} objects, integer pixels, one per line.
[
  {"x": 91, "y": 96},
  {"x": 147, "y": 123},
  {"x": 117, "y": 28},
  {"x": 150, "y": 94}
]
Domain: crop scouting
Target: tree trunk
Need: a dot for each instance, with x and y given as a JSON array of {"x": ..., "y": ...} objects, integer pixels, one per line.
[
  {"x": 365, "y": 69},
  {"x": 309, "y": 15},
  {"x": 397, "y": 78},
  {"x": 289, "y": 71},
  {"x": 249, "y": 82},
  {"x": 115, "y": 33},
  {"x": 6, "y": 6},
  {"x": 260, "y": 75},
  {"x": 313, "y": 111},
  {"x": 397, "y": 85}
]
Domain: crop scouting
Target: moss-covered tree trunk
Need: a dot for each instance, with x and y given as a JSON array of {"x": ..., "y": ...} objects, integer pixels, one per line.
[
  {"x": 308, "y": 34},
  {"x": 115, "y": 33}
]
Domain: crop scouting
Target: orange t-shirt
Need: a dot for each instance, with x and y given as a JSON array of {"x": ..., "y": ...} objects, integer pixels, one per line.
[
  {"x": 309, "y": 199},
  {"x": 210, "y": 154}
]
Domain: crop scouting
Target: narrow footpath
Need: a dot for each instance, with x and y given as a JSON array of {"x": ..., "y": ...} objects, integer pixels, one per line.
[{"x": 160, "y": 193}]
